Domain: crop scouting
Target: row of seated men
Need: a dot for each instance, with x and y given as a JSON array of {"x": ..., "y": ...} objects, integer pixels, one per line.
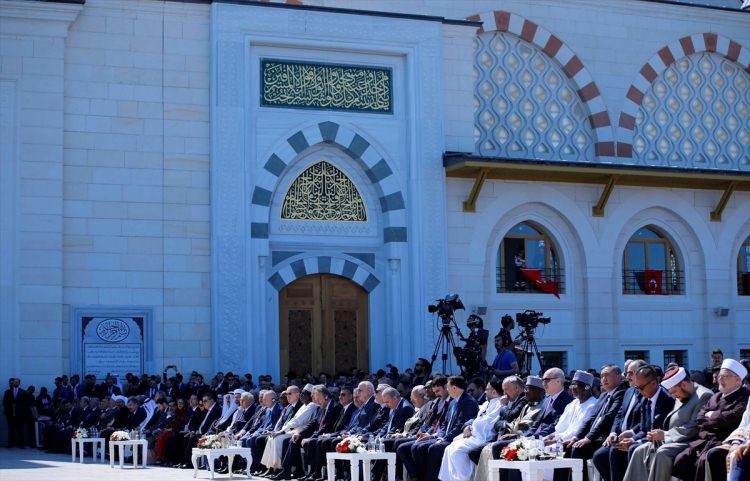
[{"x": 641, "y": 427}]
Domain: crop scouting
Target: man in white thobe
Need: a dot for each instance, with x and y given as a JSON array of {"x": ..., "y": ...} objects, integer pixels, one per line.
[
  {"x": 456, "y": 465},
  {"x": 272, "y": 453}
]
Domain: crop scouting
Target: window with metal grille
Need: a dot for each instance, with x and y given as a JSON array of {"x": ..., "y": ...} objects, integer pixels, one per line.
[
  {"x": 555, "y": 359},
  {"x": 680, "y": 357},
  {"x": 650, "y": 264},
  {"x": 635, "y": 354},
  {"x": 528, "y": 252}
]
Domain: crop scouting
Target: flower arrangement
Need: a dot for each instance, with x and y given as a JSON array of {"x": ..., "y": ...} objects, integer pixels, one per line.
[
  {"x": 352, "y": 444},
  {"x": 81, "y": 433},
  {"x": 120, "y": 436},
  {"x": 521, "y": 450},
  {"x": 210, "y": 441}
]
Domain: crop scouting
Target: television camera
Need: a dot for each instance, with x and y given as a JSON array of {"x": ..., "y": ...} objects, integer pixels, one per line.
[
  {"x": 467, "y": 357},
  {"x": 529, "y": 320}
]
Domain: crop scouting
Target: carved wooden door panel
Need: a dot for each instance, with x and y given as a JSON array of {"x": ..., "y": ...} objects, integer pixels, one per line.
[{"x": 323, "y": 325}]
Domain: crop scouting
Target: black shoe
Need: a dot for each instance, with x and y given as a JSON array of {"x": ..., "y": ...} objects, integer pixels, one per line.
[
  {"x": 239, "y": 471},
  {"x": 283, "y": 474},
  {"x": 185, "y": 466}
]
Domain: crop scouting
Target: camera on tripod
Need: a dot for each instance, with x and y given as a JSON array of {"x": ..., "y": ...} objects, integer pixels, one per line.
[
  {"x": 446, "y": 307},
  {"x": 531, "y": 319}
]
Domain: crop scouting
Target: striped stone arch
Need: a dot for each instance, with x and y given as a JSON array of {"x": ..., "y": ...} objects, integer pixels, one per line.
[
  {"x": 588, "y": 92},
  {"x": 351, "y": 268},
  {"x": 666, "y": 56},
  {"x": 392, "y": 201}
]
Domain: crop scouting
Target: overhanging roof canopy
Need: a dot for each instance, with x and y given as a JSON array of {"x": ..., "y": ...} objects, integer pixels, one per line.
[{"x": 462, "y": 165}]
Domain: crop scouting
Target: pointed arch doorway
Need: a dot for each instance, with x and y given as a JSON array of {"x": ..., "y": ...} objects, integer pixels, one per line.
[{"x": 323, "y": 325}]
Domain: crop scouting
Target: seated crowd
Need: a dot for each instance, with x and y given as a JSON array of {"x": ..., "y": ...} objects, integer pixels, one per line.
[{"x": 635, "y": 424}]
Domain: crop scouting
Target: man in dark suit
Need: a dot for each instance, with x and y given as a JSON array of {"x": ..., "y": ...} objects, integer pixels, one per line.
[
  {"x": 611, "y": 460},
  {"x": 314, "y": 446},
  {"x": 108, "y": 389},
  {"x": 400, "y": 410},
  {"x": 213, "y": 413},
  {"x": 329, "y": 414},
  {"x": 16, "y": 408},
  {"x": 553, "y": 406},
  {"x": 424, "y": 457},
  {"x": 596, "y": 428}
]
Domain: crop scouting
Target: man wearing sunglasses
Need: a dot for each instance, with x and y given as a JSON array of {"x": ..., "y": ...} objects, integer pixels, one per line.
[
  {"x": 654, "y": 405},
  {"x": 652, "y": 460}
]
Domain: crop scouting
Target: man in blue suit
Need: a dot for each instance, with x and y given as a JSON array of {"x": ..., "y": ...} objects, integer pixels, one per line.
[
  {"x": 554, "y": 404},
  {"x": 424, "y": 458}
]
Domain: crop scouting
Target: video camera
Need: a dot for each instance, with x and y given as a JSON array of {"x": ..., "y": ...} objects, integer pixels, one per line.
[
  {"x": 446, "y": 307},
  {"x": 531, "y": 319}
]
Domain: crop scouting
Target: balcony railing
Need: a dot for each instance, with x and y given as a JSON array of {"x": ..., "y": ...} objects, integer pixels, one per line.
[
  {"x": 652, "y": 282},
  {"x": 506, "y": 280}
]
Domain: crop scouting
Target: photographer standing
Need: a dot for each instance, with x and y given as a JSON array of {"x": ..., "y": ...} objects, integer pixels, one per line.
[
  {"x": 505, "y": 363},
  {"x": 478, "y": 335}
]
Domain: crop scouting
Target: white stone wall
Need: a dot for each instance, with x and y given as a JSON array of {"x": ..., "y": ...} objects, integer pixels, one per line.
[
  {"x": 136, "y": 210},
  {"x": 32, "y": 49}
]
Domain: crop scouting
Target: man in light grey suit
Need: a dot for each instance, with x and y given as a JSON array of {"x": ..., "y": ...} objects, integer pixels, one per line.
[{"x": 652, "y": 460}]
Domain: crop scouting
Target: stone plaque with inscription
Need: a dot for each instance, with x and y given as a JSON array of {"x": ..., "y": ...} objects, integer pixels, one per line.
[
  {"x": 112, "y": 345},
  {"x": 326, "y": 86}
]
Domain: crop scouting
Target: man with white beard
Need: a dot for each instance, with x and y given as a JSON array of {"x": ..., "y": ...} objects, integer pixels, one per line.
[
  {"x": 653, "y": 459},
  {"x": 456, "y": 465}
]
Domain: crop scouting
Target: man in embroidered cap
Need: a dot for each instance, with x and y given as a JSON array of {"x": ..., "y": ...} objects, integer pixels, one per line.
[
  {"x": 716, "y": 420},
  {"x": 577, "y": 411},
  {"x": 653, "y": 460}
]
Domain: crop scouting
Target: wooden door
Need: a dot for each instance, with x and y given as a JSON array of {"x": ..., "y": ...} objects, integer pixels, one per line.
[{"x": 323, "y": 325}]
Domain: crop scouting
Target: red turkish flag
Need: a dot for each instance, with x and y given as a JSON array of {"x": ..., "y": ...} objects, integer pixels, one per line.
[
  {"x": 535, "y": 276},
  {"x": 652, "y": 282}
]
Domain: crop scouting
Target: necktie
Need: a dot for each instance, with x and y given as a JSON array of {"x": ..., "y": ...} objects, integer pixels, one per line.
[
  {"x": 322, "y": 417},
  {"x": 548, "y": 408},
  {"x": 451, "y": 416},
  {"x": 390, "y": 421},
  {"x": 647, "y": 415},
  {"x": 337, "y": 425},
  {"x": 602, "y": 410}
]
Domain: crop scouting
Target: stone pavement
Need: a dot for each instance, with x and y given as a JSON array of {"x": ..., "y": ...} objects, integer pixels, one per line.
[{"x": 34, "y": 465}]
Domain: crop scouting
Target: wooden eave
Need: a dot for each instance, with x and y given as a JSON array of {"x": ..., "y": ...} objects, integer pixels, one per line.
[{"x": 609, "y": 176}]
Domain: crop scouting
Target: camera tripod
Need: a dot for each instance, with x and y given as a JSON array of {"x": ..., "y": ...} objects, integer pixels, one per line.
[
  {"x": 445, "y": 345},
  {"x": 529, "y": 349}
]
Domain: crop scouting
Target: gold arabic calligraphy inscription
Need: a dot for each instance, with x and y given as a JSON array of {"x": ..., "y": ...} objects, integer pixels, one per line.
[
  {"x": 323, "y": 192},
  {"x": 325, "y": 86}
]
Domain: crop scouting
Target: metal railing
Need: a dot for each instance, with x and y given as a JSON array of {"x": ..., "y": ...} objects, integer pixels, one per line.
[
  {"x": 652, "y": 282},
  {"x": 507, "y": 280}
]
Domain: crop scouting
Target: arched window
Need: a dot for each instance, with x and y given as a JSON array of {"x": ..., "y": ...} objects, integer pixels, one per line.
[
  {"x": 650, "y": 264},
  {"x": 528, "y": 246},
  {"x": 743, "y": 269},
  {"x": 323, "y": 192}
]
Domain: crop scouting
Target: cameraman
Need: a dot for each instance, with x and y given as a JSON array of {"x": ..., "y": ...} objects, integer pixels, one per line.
[
  {"x": 505, "y": 363},
  {"x": 477, "y": 340}
]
